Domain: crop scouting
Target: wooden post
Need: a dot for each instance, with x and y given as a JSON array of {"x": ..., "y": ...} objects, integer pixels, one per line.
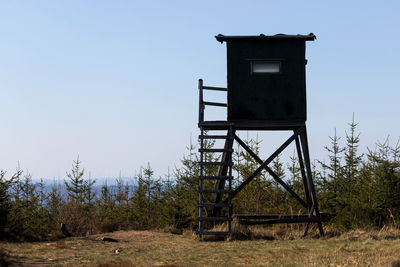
[
  {"x": 303, "y": 174},
  {"x": 315, "y": 208},
  {"x": 201, "y": 106}
]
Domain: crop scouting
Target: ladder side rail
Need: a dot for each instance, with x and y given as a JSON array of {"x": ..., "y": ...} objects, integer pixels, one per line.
[
  {"x": 201, "y": 104},
  {"x": 201, "y": 185}
]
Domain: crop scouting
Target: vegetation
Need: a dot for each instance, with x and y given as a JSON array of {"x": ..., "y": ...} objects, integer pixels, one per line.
[{"x": 356, "y": 190}]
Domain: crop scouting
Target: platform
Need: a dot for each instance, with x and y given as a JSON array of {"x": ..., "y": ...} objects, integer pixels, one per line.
[{"x": 251, "y": 125}]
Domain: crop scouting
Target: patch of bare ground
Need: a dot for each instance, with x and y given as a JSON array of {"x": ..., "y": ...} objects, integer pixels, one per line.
[{"x": 254, "y": 246}]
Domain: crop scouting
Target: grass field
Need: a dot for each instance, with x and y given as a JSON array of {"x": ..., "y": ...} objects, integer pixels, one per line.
[{"x": 157, "y": 248}]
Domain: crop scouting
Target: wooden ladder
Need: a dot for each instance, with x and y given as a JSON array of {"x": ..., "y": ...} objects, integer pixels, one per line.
[{"x": 215, "y": 207}]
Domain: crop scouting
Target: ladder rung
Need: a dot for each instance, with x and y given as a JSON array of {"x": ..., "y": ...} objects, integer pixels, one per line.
[
  {"x": 214, "y": 88},
  {"x": 215, "y": 137},
  {"x": 223, "y": 191},
  {"x": 215, "y": 150},
  {"x": 213, "y": 233},
  {"x": 215, "y": 163},
  {"x": 215, "y": 104},
  {"x": 216, "y": 205},
  {"x": 215, "y": 177},
  {"x": 214, "y": 219}
]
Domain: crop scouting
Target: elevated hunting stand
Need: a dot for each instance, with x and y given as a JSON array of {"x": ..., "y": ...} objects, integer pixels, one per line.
[{"x": 266, "y": 92}]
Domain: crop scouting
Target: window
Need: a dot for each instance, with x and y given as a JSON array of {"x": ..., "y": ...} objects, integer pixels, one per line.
[{"x": 265, "y": 67}]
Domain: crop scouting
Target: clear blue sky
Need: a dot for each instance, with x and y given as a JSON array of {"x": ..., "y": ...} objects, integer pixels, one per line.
[{"x": 115, "y": 82}]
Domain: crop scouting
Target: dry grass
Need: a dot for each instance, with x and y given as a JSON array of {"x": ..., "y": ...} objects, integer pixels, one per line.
[{"x": 256, "y": 246}]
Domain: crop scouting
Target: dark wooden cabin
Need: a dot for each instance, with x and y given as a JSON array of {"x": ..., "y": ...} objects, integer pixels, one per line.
[{"x": 266, "y": 77}]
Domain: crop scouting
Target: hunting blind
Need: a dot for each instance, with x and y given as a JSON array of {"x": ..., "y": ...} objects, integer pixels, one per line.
[
  {"x": 266, "y": 90},
  {"x": 266, "y": 77}
]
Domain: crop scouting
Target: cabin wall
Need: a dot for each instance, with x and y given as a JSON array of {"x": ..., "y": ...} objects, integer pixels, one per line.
[{"x": 266, "y": 97}]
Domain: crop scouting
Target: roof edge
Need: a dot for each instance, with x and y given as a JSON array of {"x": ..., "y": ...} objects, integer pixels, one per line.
[{"x": 224, "y": 38}]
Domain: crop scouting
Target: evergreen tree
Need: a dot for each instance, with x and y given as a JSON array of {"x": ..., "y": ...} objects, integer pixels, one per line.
[
  {"x": 5, "y": 199},
  {"x": 28, "y": 218},
  {"x": 381, "y": 186},
  {"x": 122, "y": 200},
  {"x": 352, "y": 159},
  {"x": 79, "y": 190},
  {"x": 186, "y": 195},
  {"x": 253, "y": 197},
  {"x": 106, "y": 203},
  {"x": 334, "y": 167},
  {"x": 139, "y": 200},
  {"x": 79, "y": 212},
  {"x": 55, "y": 206},
  {"x": 76, "y": 184},
  {"x": 295, "y": 181},
  {"x": 348, "y": 197},
  {"x": 89, "y": 192},
  {"x": 280, "y": 196}
]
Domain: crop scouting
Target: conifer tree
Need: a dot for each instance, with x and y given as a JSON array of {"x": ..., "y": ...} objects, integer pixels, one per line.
[
  {"x": 348, "y": 197},
  {"x": 252, "y": 198},
  {"x": 5, "y": 199},
  {"x": 122, "y": 200},
  {"x": 79, "y": 213},
  {"x": 76, "y": 184},
  {"x": 28, "y": 218},
  {"x": 170, "y": 211},
  {"x": 383, "y": 168},
  {"x": 185, "y": 193},
  {"x": 89, "y": 192},
  {"x": 295, "y": 182},
  {"x": 139, "y": 200},
  {"x": 79, "y": 190},
  {"x": 54, "y": 206},
  {"x": 352, "y": 159},
  {"x": 334, "y": 166},
  {"x": 107, "y": 209},
  {"x": 333, "y": 185},
  {"x": 279, "y": 196}
]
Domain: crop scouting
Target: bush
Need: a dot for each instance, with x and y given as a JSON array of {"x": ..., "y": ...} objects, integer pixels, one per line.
[{"x": 108, "y": 227}]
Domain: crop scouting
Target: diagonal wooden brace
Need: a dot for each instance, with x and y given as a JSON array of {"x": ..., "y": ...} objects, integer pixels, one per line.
[
  {"x": 265, "y": 163},
  {"x": 271, "y": 172}
]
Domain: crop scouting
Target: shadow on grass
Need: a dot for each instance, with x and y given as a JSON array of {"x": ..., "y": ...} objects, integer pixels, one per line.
[
  {"x": 7, "y": 260},
  {"x": 116, "y": 264}
]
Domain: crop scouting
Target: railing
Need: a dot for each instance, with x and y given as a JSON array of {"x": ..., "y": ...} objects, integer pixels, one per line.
[{"x": 203, "y": 103}]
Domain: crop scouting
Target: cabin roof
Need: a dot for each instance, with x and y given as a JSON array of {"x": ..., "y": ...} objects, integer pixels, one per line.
[{"x": 224, "y": 38}]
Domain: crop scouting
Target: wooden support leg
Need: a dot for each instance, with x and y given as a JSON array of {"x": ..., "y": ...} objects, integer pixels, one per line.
[
  {"x": 305, "y": 182},
  {"x": 303, "y": 174},
  {"x": 306, "y": 230},
  {"x": 304, "y": 145}
]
